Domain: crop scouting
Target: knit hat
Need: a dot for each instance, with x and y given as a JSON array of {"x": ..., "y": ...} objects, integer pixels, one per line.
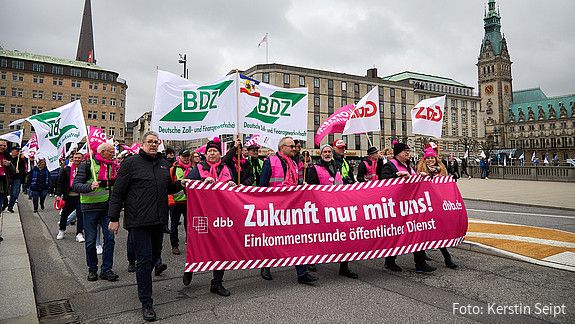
[
  {"x": 372, "y": 150},
  {"x": 213, "y": 144},
  {"x": 324, "y": 146},
  {"x": 431, "y": 145},
  {"x": 399, "y": 147},
  {"x": 429, "y": 152}
]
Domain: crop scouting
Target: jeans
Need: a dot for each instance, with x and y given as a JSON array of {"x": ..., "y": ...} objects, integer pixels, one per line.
[
  {"x": 91, "y": 221},
  {"x": 39, "y": 194},
  {"x": 72, "y": 204},
  {"x": 147, "y": 242},
  {"x": 176, "y": 211},
  {"x": 14, "y": 192}
]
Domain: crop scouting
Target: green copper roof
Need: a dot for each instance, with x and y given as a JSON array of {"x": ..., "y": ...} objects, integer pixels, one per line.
[
  {"x": 527, "y": 95},
  {"x": 536, "y": 99},
  {"x": 492, "y": 26},
  {"x": 48, "y": 59},
  {"x": 406, "y": 75}
]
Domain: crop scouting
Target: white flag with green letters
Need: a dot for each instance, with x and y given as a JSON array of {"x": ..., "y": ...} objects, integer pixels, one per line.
[
  {"x": 272, "y": 111},
  {"x": 184, "y": 110},
  {"x": 57, "y": 127}
]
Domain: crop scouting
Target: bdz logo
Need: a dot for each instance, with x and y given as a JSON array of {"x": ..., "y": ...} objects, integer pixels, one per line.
[
  {"x": 196, "y": 104},
  {"x": 52, "y": 120},
  {"x": 200, "y": 223},
  {"x": 272, "y": 108}
]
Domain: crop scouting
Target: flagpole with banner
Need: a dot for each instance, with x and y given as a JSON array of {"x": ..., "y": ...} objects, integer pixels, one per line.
[
  {"x": 90, "y": 152},
  {"x": 238, "y": 121}
]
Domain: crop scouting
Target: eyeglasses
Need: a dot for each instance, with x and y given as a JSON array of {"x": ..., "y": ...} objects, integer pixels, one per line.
[
  {"x": 153, "y": 142},
  {"x": 291, "y": 146}
]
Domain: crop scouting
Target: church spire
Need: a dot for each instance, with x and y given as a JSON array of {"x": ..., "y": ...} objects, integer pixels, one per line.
[
  {"x": 86, "y": 42},
  {"x": 492, "y": 26}
]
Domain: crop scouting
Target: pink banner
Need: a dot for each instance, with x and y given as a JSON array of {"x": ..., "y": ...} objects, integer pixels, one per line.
[
  {"x": 251, "y": 227},
  {"x": 96, "y": 136},
  {"x": 134, "y": 149},
  {"x": 334, "y": 123}
]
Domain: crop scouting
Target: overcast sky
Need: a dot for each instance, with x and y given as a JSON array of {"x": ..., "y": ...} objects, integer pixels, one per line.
[{"x": 440, "y": 37}]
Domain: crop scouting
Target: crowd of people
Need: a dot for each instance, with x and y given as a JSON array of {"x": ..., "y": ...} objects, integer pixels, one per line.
[{"x": 147, "y": 188}]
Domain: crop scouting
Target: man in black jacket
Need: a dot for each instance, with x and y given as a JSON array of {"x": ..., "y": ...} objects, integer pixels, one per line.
[
  {"x": 71, "y": 198},
  {"x": 19, "y": 164},
  {"x": 141, "y": 188}
]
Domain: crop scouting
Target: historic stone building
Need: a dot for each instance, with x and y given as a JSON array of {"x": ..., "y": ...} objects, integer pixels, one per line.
[
  {"x": 398, "y": 93},
  {"x": 33, "y": 83},
  {"x": 525, "y": 121}
]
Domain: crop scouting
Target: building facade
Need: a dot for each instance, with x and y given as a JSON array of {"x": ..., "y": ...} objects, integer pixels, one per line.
[
  {"x": 32, "y": 83},
  {"x": 327, "y": 91}
]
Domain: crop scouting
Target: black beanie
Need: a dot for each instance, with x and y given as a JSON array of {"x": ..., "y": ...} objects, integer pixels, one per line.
[
  {"x": 216, "y": 145},
  {"x": 399, "y": 147}
]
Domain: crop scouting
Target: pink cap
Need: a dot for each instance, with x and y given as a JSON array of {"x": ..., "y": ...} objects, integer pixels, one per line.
[{"x": 429, "y": 152}]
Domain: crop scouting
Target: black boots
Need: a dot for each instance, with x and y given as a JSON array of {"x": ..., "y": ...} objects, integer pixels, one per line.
[
  {"x": 346, "y": 272},
  {"x": 447, "y": 257},
  {"x": 148, "y": 313},
  {"x": 266, "y": 273},
  {"x": 217, "y": 288},
  {"x": 187, "y": 278}
]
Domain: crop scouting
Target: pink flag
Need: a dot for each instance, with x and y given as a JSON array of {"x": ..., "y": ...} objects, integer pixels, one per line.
[
  {"x": 96, "y": 136},
  {"x": 134, "y": 149},
  {"x": 334, "y": 123}
]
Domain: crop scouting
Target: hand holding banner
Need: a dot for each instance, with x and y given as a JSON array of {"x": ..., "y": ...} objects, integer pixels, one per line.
[{"x": 427, "y": 117}]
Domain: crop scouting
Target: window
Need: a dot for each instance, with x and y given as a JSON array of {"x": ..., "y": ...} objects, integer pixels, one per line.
[
  {"x": 343, "y": 86},
  {"x": 17, "y": 76},
  {"x": 330, "y": 104},
  {"x": 103, "y": 115},
  {"x": 286, "y": 78},
  {"x": 76, "y": 83},
  {"x": 4, "y": 63},
  {"x": 104, "y": 87},
  {"x": 403, "y": 109},
  {"x": 93, "y": 86},
  {"x": 316, "y": 119},
  {"x": 343, "y": 101},
  {"x": 93, "y": 100},
  {"x": 463, "y": 104},
  {"x": 2, "y": 91},
  {"x": 17, "y": 65},
  {"x": 103, "y": 100},
  {"x": 122, "y": 103},
  {"x": 17, "y": 92},
  {"x": 357, "y": 141},
  {"x": 57, "y": 81},
  {"x": 3, "y": 75},
  {"x": 74, "y": 97},
  {"x": 92, "y": 74},
  {"x": 301, "y": 81},
  {"x": 37, "y": 94},
  {"x": 103, "y": 76},
  {"x": 57, "y": 96},
  {"x": 76, "y": 73},
  {"x": 265, "y": 79},
  {"x": 112, "y": 101},
  {"x": 1, "y": 125},
  {"x": 36, "y": 110},
  {"x": 113, "y": 87},
  {"x": 112, "y": 131},
  {"x": 37, "y": 67},
  {"x": 356, "y": 88},
  {"x": 112, "y": 116},
  {"x": 330, "y": 84},
  {"x": 393, "y": 124},
  {"x": 316, "y": 101},
  {"x": 392, "y": 108},
  {"x": 316, "y": 82},
  {"x": 1, "y": 107},
  {"x": 58, "y": 69},
  {"x": 121, "y": 117},
  {"x": 16, "y": 109},
  {"x": 92, "y": 114},
  {"x": 403, "y": 93},
  {"x": 38, "y": 79},
  {"x": 392, "y": 92}
]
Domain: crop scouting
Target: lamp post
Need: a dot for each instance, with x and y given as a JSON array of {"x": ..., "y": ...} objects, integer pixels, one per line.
[{"x": 183, "y": 60}]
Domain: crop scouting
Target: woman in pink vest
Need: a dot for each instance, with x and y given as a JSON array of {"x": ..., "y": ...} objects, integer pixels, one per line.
[
  {"x": 431, "y": 166},
  {"x": 326, "y": 172},
  {"x": 399, "y": 167},
  {"x": 210, "y": 171}
]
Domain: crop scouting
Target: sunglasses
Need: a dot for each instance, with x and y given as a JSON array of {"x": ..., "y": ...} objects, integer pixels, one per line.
[{"x": 291, "y": 146}]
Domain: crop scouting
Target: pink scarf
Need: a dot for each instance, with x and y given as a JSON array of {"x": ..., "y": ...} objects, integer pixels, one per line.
[
  {"x": 185, "y": 166},
  {"x": 214, "y": 169},
  {"x": 2, "y": 172},
  {"x": 242, "y": 162},
  {"x": 291, "y": 174},
  {"x": 104, "y": 166},
  {"x": 73, "y": 171}
]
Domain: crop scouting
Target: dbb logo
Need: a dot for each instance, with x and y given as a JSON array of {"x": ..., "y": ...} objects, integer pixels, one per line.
[
  {"x": 429, "y": 113},
  {"x": 223, "y": 222},
  {"x": 366, "y": 111}
]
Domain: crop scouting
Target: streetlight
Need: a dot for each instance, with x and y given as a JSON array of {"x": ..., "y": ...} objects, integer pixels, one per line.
[{"x": 183, "y": 60}]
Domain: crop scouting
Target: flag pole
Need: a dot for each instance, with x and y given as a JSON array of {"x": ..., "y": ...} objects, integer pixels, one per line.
[
  {"x": 267, "y": 44},
  {"x": 91, "y": 153},
  {"x": 18, "y": 159},
  {"x": 238, "y": 121},
  {"x": 368, "y": 140}
]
